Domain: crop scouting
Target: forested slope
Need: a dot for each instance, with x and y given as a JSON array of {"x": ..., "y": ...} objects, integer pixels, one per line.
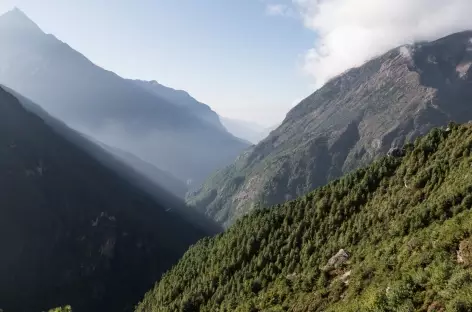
[{"x": 403, "y": 224}]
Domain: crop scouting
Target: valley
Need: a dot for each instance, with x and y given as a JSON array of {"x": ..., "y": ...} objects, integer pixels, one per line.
[{"x": 120, "y": 193}]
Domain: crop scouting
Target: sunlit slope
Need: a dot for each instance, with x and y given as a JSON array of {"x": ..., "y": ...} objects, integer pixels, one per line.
[{"x": 403, "y": 223}]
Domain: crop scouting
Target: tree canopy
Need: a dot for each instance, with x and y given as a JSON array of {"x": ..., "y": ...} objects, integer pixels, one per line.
[{"x": 405, "y": 223}]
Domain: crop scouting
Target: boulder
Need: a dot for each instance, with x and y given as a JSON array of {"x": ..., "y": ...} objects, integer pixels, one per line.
[
  {"x": 464, "y": 254},
  {"x": 337, "y": 260},
  {"x": 396, "y": 152}
]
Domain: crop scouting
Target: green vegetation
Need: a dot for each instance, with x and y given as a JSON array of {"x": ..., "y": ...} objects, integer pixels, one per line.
[
  {"x": 405, "y": 222},
  {"x": 62, "y": 309}
]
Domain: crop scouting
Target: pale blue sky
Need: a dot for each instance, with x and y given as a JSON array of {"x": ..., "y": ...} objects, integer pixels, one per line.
[{"x": 229, "y": 54}]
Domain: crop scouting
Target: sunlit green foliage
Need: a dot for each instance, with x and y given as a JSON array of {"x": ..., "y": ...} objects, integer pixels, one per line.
[
  {"x": 403, "y": 221},
  {"x": 62, "y": 309}
]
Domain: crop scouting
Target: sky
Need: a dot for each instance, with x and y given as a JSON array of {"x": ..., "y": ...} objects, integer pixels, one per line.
[
  {"x": 236, "y": 56},
  {"x": 247, "y": 59}
]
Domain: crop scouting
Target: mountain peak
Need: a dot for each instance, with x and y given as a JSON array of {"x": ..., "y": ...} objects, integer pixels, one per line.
[{"x": 16, "y": 19}]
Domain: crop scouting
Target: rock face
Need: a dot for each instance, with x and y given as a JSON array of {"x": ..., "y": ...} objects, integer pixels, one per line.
[{"x": 350, "y": 121}]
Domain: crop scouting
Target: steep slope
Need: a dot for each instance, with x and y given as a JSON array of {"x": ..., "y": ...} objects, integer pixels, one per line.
[
  {"x": 107, "y": 107},
  {"x": 74, "y": 230},
  {"x": 350, "y": 121},
  {"x": 155, "y": 175},
  {"x": 394, "y": 236},
  {"x": 183, "y": 99},
  {"x": 249, "y": 131}
]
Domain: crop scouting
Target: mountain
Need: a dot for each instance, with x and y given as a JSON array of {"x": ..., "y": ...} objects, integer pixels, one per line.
[
  {"x": 78, "y": 226},
  {"x": 246, "y": 130},
  {"x": 347, "y": 123},
  {"x": 155, "y": 175},
  {"x": 394, "y": 236},
  {"x": 251, "y": 132},
  {"x": 113, "y": 110},
  {"x": 183, "y": 99}
]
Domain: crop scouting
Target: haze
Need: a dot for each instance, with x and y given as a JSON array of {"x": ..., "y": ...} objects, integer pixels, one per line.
[
  {"x": 230, "y": 55},
  {"x": 246, "y": 59}
]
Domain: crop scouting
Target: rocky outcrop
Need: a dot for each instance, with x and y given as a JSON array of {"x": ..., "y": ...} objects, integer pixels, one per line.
[
  {"x": 464, "y": 254},
  {"x": 336, "y": 261},
  {"x": 396, "y": 152}
]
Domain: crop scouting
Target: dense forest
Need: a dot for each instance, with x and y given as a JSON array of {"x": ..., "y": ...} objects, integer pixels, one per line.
[{"x": 394, "y": 236}]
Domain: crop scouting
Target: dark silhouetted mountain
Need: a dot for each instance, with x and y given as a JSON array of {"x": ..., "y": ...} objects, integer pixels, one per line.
[
  {"x": 350, "y": 121},
  {"x": 78, "y": 226},
  {"x": 394, "y": 236},
  {"x": 157, "y": 176},
  {"x": 110, "y": 109},
  {"x": 246, "y": 130}
]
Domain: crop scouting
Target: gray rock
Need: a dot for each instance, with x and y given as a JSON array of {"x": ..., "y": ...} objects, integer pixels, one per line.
[
  {"x": 341, "y": 257},
  {"x": 396, "y": 152}
]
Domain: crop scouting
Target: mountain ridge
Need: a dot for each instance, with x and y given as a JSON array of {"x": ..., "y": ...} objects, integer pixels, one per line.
[
  {"x": 69, "y": 230},
  {"x": 184, "y": 99},
  {"x": 354, "y": 118},
  {"x": 111, "y": 109}
]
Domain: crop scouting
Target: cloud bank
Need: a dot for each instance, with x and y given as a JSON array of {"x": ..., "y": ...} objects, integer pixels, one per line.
[{"x": 350, "y": 32}]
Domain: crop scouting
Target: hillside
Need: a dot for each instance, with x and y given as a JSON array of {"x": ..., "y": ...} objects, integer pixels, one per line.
[
  {"x": 78, "y": 226},
  {"x": 110, "y": 109},
  {"x": 346, "y": 124},
  {"x": 154, "y": 174},
  {"x": 394, "y": 236}
]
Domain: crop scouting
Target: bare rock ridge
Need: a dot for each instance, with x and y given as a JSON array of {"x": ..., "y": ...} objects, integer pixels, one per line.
[{"x": 349, "y": 122}]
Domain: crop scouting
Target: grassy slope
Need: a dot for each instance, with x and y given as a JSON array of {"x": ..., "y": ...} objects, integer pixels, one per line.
[{"x": 401, "y": 219}]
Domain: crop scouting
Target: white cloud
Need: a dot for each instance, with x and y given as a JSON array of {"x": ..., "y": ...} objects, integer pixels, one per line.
[
  {"x": 350, "y": 32},
  {"x": 280, "y": 10}
]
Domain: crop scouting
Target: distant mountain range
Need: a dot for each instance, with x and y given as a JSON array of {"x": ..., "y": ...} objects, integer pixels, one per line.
[
  {"x": 78, "y": 226},
  {"x": 346, "y": 124},
  {"x": 184, "y": 100},
  {"x": 249, "y": 131},
  {"x": 162, "y": 126}
]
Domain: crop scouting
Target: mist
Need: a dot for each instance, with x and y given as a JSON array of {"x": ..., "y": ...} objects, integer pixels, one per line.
[
  {"x": 350, "y": 32},
  {"x": 162, "y": 126}
]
